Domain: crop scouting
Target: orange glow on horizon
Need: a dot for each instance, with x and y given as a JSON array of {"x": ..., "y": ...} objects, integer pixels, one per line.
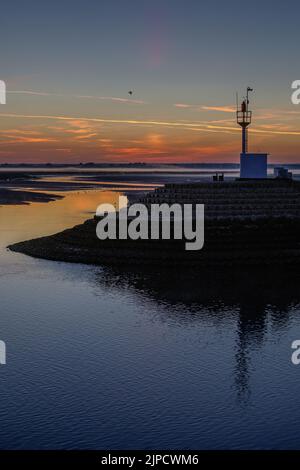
[{"x": 99, "y": 139}]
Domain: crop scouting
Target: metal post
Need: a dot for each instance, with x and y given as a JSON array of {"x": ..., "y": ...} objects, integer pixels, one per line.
[{"x": 244, "y": 140}]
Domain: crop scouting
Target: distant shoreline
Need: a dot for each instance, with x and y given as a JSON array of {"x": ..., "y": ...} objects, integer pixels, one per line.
[{"x": 92, "y": 165}]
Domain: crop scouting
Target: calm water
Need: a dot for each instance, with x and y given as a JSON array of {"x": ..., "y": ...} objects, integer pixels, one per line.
[{"x": 108, "y": 359}]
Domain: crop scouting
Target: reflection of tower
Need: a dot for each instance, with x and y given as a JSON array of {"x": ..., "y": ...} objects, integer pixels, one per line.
[
  {"x": 244, "y": 116},
  {"x": 250, "y": 334}
]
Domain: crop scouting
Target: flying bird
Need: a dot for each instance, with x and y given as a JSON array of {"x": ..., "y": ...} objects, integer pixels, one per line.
[{"x": 130, "y": 92}]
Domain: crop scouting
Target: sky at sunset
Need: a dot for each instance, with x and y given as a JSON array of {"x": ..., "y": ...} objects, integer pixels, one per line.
[{"x": 68, "y": 67}]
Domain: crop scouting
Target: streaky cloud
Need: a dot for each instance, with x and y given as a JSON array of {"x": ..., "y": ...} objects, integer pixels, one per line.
[
  {"x": 88, "y": 97},
  {"x": 182, "y": 125},
  {"x": 223, "y": 109}
]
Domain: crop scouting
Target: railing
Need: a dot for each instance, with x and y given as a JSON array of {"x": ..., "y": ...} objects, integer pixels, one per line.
[{"x": 244, "y": 117}]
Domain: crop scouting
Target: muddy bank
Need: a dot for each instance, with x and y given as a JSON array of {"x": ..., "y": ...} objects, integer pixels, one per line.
[
  {"x": 264, "y": 242},
  {"x": 9, "y": 196}
]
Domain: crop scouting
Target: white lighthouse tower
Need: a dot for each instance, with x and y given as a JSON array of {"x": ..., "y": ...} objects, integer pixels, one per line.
[{"x": 252, "y": 165}]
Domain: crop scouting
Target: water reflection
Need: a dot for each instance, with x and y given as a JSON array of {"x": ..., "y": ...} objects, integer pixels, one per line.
[
  {"x": 255, "y": 299},
  {"x": 246, "y": 302},
  {"x": 19, "y": 223},
  {"x": 142, "y": 358}
]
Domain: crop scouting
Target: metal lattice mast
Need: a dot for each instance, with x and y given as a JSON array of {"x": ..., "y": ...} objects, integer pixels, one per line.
[{"x": 244, "y": 117}]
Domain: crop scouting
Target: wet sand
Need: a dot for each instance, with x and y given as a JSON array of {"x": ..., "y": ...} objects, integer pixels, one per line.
[{"x": 24, "y": 188}]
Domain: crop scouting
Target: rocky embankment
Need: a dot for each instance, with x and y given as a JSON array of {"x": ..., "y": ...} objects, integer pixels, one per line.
[{"x": 246, "y": 224}]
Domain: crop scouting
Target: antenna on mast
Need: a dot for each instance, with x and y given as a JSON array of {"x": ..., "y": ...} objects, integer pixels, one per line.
[{"x": 248, "y": 90}]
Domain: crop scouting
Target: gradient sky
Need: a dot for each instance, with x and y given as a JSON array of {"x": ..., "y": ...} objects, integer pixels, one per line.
[{"x": 68, "y": 66}]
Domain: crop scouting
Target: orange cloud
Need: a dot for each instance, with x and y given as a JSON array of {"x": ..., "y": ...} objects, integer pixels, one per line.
[
  {"x": 223, "y": 109},
  {"x": 19, "y": 132},
  {"x": 85, "y": 136},
  {"x": 155, "y": 140},
  {"x": 26, "y": 140},
  {"x": 65, "y": 150},
  {"x": 185, "y": 125},
  {"x": 185, "y": 106},
  {"x": 136, "y": 151},
  {"x": 77, "y": 131}
]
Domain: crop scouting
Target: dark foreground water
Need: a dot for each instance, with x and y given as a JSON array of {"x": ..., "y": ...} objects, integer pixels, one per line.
[{"x": 106, "y": 359}]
